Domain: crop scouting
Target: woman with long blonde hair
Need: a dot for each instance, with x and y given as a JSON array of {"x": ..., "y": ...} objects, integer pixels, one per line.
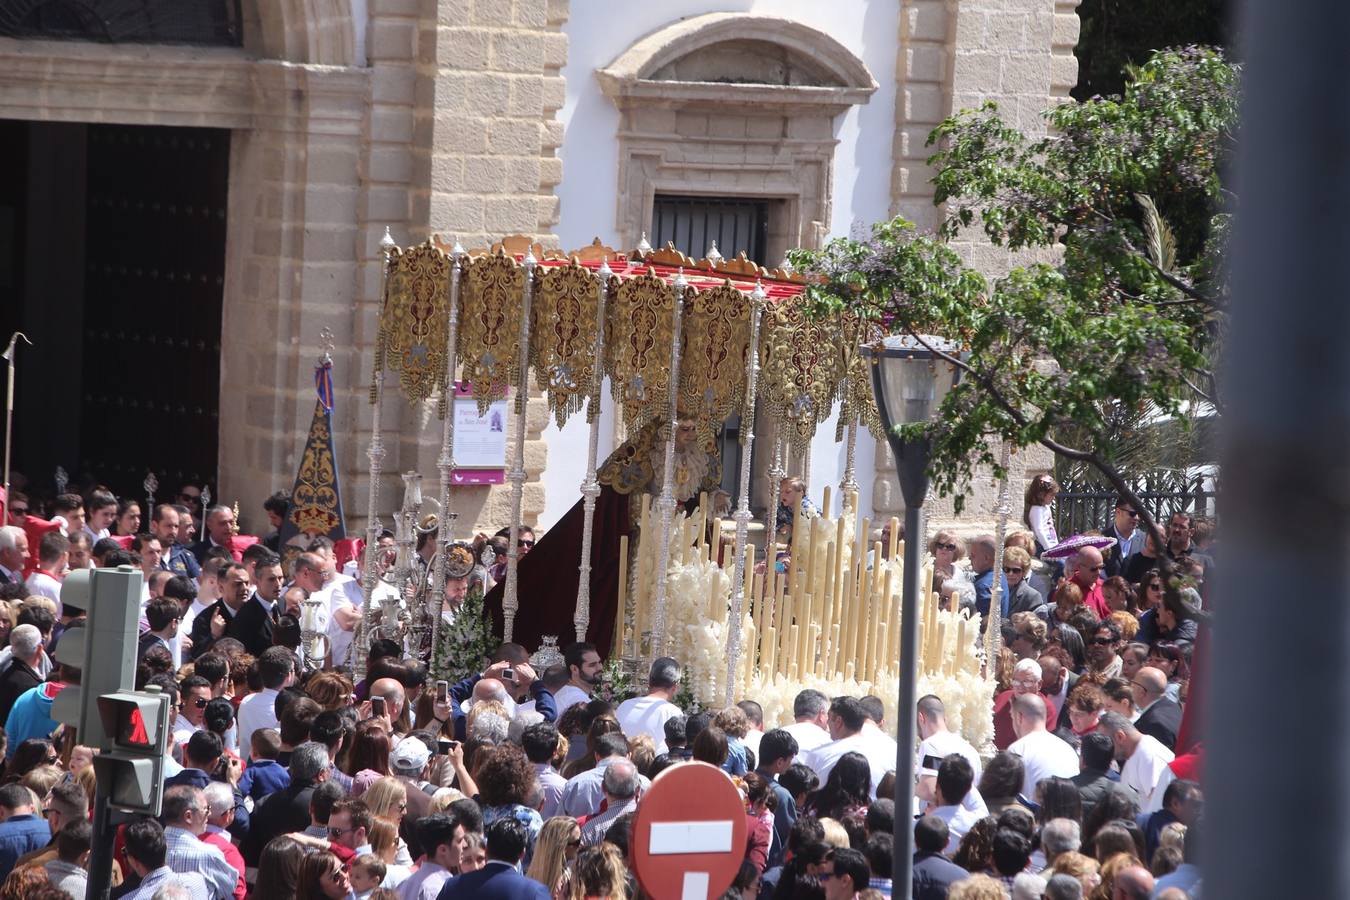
[
  {"x": 599, "y": 874},
  {"x": 555, "y": 851},
  {"x": 388, "y": 799},
  {"x": 384, "y": 843}
]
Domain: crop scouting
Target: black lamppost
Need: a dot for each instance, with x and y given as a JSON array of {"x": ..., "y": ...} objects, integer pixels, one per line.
[{"x": 909, "y": 380}]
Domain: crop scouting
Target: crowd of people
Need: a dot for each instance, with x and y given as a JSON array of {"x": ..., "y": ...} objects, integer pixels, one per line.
[{"x": 287, "y": 781}]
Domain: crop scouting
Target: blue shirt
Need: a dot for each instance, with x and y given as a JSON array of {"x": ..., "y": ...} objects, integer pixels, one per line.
[
  {"x": 984, "y": 586},
  {"x": 735, "y": 764},
  {"x": 263, "y": 777},
  {"x": 180, "y": 561},
  {"x": 20, "y": 835}
]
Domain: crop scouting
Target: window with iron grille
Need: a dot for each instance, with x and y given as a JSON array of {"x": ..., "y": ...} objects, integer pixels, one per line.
[
  {"x": 693, "y": 223},
  {"x": 200, "y": 22}
]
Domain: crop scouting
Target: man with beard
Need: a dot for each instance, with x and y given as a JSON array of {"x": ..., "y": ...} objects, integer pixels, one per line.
[{"x": 584, "y": 664}]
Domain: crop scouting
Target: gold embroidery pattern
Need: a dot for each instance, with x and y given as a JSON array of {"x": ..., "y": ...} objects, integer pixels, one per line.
[
  {"x": 564, "y": 326},
  {"x": 855, "y": 392},
  {"x": 489, "y": 330},
  {"x": 315, "y": 508},
  {"x": 800, "y": 375},
  {"x": 414, "y": 332},
  {"x": 639, "y": 338},
  {"x": 712, "y": 367}
]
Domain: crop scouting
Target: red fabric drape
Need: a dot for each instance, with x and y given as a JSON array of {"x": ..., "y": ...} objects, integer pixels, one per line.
[{"x": 547, "y": 578}]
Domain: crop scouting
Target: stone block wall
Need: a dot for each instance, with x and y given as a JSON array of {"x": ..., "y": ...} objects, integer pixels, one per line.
[{"x": 958, "y": 54}]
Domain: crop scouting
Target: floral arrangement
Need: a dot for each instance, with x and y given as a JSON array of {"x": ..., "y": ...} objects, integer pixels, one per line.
[
  {"x": 465, "y": 644},
  {"x": 615, "y": 684}
]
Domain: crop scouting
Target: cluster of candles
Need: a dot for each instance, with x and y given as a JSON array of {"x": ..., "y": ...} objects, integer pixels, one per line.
[{"x": 833, "y": 612}]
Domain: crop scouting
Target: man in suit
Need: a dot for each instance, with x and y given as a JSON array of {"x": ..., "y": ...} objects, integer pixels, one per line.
[
  {"x": 1158, "y": 716},
  {"x": 498, "y": 880},
  {"x": 1129, "y": 537},
  {"x": 219, "y": 529},
  {"x": 211, "y": 623},
  {"x": 13, "y": 554},
  {"x": 252, "y": 627}
]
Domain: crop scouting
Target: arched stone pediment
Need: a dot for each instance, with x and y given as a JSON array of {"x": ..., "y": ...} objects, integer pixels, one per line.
[{"x": 739, "y": 58}]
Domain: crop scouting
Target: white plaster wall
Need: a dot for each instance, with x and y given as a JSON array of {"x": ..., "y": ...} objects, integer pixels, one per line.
[
  {"x": 597, "y": 33},
  {"x": 360, "y": 25}
]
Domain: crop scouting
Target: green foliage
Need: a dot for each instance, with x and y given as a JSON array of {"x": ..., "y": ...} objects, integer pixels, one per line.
[
  {"x": 1130, "y": 317},
  {"x": 465, "y": 646}
]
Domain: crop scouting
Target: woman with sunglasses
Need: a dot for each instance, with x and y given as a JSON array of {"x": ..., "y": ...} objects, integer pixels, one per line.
[
  {"x": 947, "y": 550},
  {"x": 1149, "y": 592},
  {"x": 555, "y": 851},
  {"x": 1022, "y": 597}
]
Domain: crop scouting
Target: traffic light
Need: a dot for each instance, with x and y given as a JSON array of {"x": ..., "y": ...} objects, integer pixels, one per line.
[
  {"x": 132, "y": 772},
  {"x": 104, "y": 650}
]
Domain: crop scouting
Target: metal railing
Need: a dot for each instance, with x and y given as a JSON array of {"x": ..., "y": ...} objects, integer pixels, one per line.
[{"x": 1089, "y": 505}]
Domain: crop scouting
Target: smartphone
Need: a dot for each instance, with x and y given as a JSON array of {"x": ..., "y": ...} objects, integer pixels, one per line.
[
  {"x": 508, "y": 674},
  {"x": 443, "y": 747},
  {"x": 442, "y": 692},
  {"x": 377, "y": 706}
]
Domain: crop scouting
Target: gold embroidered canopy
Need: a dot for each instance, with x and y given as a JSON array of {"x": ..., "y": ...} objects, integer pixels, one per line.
[{"x": 806, "y": 364}]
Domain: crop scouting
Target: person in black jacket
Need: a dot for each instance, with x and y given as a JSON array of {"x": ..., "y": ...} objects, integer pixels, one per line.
[
  {"x": 26, "y": 643},
  {"x": 287, "y": 810},
  {"x": 212, "y": 623},
  {"x": 933, "y": 873},
  {"x": 1159, "y": 716},
  {"x": 252, "y": 626}
]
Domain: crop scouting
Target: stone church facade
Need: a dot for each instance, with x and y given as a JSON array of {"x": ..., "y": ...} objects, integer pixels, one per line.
[{"x": 481, "y": 118}]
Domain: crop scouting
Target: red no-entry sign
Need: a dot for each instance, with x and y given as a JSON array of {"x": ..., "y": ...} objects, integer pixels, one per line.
[{"x": 689, "y": 835}]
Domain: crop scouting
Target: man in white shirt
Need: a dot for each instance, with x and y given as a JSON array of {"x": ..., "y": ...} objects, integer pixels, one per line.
[
  {"x": 53, "y": 551},
  {"x": 208, "y": 592},
  {"x": 194, "y": 694},
  {"x": 276, "y": 668},
  {"x": 937, "y": 742},
  {"x": 1043, "y": 754},
  {"x": 956, "y": 800},
  {"x": 13, "y": 553},
  {"x": 846, "y": 720},
  {"x": 754, "y": 714},
  {"x": 340, "y": 596},
  {"x": 881, "y": 747},
  {"x": 811, "y": 710},
  {"x": 1143, "y": 759},
  {"x": 583, "y": 662},
  {"x": 648, "y": 715}
]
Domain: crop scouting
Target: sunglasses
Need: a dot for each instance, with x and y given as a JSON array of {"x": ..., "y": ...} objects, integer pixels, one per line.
[
  {"x": 951, "y": 547},
  {"x": 1012, "y": 570},
  {"x": 1102, "y": 641},
  {"x": 339, "y": 832},
  {"x": 524, "y": 543},
  {"x": 200, "y": 702},
  {"x": 1132, "y": 513}
]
